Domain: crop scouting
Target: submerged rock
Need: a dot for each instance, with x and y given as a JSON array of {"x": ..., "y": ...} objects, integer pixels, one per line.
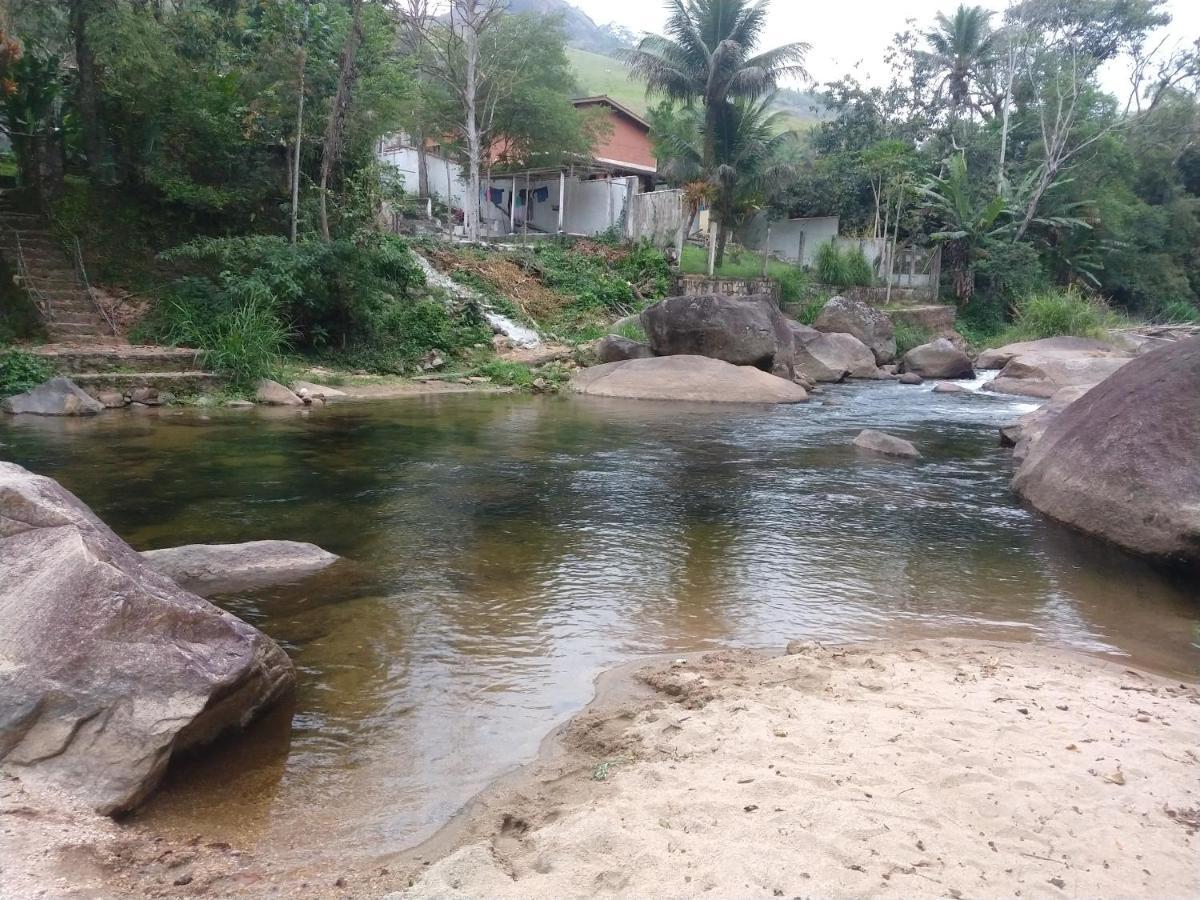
[
  {"x": 688, "y": 378},
  {"x": 885, "y": 444},
  {"x": 107, "y": 668},
  {"x": 873, "y": 328},
  {"x": 208, "y": 569},
  {"x": 1122, "y": 461},
  {"x": 938, "y": 359},
  {"x": 56, "y": 397},
  {"x": 318, "y": 391}
]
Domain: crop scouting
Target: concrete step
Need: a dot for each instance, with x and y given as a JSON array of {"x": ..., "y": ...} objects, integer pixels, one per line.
[
  {"x": 178, "y": 383},
  {"x": 121, "y": 359}
]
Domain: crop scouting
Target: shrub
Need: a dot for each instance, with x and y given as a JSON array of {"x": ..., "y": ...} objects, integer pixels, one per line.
[
  {"x": 21, "y": 371},
  {"x": 510, "y": 373},
  {"x": 1006, "y": 272},
  {"x": 810, "y": 311},
  {"x": 843, "y": 268},
  {"x": 1058, "y": 312},
  {"x": 909, "y": 336},
  {"x": 1177, "y": 312},
  {"x": 632, "y": 330},
  {"x": 793, "y": 282}
]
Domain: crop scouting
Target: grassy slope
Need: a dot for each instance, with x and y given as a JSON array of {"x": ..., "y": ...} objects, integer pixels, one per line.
[{"x": 598, "y": 74}]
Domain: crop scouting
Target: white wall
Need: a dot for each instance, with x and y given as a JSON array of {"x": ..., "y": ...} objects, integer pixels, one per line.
[
  {"x": 799, "y": 239},
  {"x": 656, "y": 216}
]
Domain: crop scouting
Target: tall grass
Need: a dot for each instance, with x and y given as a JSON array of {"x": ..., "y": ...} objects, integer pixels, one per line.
[
  {"x": 842, "y": 268},
  {"x": 1056, "y": 313}
]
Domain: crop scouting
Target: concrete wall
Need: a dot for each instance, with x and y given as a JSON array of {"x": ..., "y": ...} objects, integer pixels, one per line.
[
  {"x": 404, "y": 160},
  {"x": 795, "y": 240},
  {"x": 656, "y": 216}
]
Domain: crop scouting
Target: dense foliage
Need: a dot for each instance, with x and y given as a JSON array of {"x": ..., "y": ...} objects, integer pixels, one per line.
[
  {"x": 995, "y": 139},
  {"x": 21, "y": 371}
]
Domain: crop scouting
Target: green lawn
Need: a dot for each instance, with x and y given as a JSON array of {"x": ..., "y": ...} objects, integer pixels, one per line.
[{"x": 738, "y": 264}]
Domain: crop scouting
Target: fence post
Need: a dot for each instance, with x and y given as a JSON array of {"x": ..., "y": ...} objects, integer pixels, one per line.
[{"x": 766, "y": 254}]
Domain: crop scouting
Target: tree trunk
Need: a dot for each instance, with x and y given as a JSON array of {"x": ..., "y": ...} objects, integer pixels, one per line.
[
  {"x": 88, "y": 91},
  {"x": 422, "y": 165},
  {"x": 1012, "y": 68},
  {"x": 295, "y": 173},
  {"x": 474, "y": 153},
  {"x": 336, "y": 126}
]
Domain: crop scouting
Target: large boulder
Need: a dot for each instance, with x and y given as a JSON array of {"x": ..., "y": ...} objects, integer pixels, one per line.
[
  {"x": 830, "y": 357},
  {"x": 56, "y": 397},
  {"x": 688, "y": 378},
  {"x": 843, "y": 315},
  {"x": 1055, "y": 346},
  {"x": 1121, "y": 462},
  {"x": 209, "y": 569},
  {"x": 614, "y": 348},
  {"x": 1044, "y": 375},
  {"x": 744, "y": 331},
  {"x": 938, "y": 359},
  {"x": 1025, "y": 431},
  {"x": 108, "y": 668}
]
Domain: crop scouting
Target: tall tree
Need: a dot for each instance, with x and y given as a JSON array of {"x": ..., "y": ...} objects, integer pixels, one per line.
[
  {"x": 339, "y": 106},
  {"x": 87, "y": 84}
]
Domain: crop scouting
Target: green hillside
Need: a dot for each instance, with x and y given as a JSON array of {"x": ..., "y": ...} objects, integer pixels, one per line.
[
  {"x": 599, "y": 74},
  {"x": 604, "y": 75}
]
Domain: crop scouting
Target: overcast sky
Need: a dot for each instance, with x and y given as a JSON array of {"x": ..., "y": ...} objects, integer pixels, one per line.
[{"x": 853, "y": 35}]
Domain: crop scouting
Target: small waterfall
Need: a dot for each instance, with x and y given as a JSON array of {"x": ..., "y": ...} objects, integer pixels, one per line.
[{"x": 501, "y": 324}]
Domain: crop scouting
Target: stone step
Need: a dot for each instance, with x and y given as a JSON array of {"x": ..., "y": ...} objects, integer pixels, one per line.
[
  {"x": 72, "y": 330},
  {"x": 121, "y": 359},
  {"x": 177, "y": 383}
]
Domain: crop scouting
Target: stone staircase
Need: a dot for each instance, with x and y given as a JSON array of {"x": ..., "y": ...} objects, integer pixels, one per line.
[
  {"x": 84, "y": 346},
  {"x": 48, "y": 273}
]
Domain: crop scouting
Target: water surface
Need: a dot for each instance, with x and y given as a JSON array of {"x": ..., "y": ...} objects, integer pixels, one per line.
[{"x": 502, "y": 550}]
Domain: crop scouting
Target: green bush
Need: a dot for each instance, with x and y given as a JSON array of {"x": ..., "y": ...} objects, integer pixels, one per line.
[
  {"x": 810, "y": 311},
  {"x": 1006, "y": 272},
  {"x": 509, "y": 373},
  {"x": 843, "y": 268},
  {"x": 909, "y": 336},
  {"x": 1177, "y": 312},
  {"x": 793, "y": 282},
  {"x": 1060, "y": 312},
  {"x": 633, "y": 331},
  {"x": 21, "y": 371}
]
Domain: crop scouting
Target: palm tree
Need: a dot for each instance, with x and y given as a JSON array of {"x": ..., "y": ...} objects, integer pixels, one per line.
[
  {"x": 960, "y": 46},
  {"x": 753, "y": 159},
  {"x": 708, "y": 56}
]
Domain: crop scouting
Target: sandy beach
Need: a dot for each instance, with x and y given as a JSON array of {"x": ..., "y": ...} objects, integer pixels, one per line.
[
  {"x": 934, "y": 768},
  {"x": 926, "y": 769}
]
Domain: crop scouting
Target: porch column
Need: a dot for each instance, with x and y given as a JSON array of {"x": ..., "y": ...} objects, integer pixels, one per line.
[
  {"x": 562, "y": 198},
  {"x": 512, "y": 208}
]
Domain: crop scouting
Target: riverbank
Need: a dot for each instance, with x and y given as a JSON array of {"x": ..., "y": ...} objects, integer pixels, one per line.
[{"x": 930, "y": 768}]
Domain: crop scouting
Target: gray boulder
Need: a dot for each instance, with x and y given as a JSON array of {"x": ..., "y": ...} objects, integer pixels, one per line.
[
  {"x": 56, "y": 397},
  {"x": 843, "y": 315},
  {"x": 938, "y": 359},
  {"x": 1055, "y": 346},
  {"x": 1025, "y": 431},
  {"x": 830, "y": 357},
  {"x": 949, "y": 387},
  {"x": 614, "y": 348},
  {"x": 910, "y": 378},
  {"x": 686, "y": 378},
  {"x": 1121, "y": 461},
  {"x": 273, "y": 393},
  {"x": 1043, "y": 375},
  {"x": 108, "y": 668},
  {"x": 885, "y": 444},
  {"x": 208, "y": 569},
  {"x": 744, "y": 331}
]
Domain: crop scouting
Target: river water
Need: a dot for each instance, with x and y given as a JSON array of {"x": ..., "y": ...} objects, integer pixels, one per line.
[{"x": 501, "y": 550}]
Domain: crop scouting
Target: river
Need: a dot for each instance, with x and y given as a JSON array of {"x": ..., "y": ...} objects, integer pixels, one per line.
[{"x": 502, "y": 550}]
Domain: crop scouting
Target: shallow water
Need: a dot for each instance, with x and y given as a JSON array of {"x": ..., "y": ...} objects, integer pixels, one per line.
[{"x": 502, "y": 550}]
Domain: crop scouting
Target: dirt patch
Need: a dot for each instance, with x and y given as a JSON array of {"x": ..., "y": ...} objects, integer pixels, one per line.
[{"x": 507, "y": 277}]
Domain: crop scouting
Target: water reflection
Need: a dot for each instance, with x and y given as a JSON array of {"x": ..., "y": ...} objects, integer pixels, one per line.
[{"x": 501, "y": 550}]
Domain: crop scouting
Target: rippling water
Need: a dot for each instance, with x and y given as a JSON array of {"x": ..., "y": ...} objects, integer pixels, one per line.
[{"x": 502, "y": 550}]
